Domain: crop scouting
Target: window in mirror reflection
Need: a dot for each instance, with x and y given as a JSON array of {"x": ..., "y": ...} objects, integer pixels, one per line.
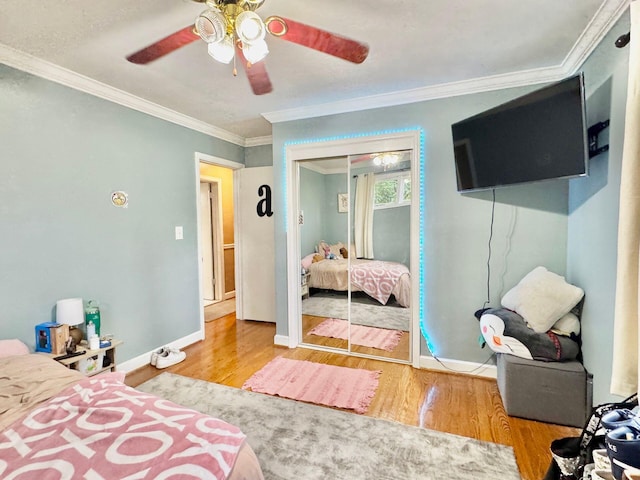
[{"x": 392, "y": 190}]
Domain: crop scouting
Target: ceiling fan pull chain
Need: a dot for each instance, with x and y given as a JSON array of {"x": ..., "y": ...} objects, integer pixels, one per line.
[{"x": 235, "y": 41}]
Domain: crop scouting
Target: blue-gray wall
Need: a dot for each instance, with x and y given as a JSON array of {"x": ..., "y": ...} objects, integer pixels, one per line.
[
  {"x": 62, "y": 153},
  {"x": 593, "y": 219},
  {"x": 568, "y": 226},
  {"x": 258, "y": 156},
  {"x": 336, "y": 226},
  {"x": 530, "y": 227},
  {"x": 391, "y": 226},
  {"x": 322, "y": 221},
  {"x": 391, "y": 235},
  {"x": 312, "y": 204},
  {"x": 319, "y": 202}
]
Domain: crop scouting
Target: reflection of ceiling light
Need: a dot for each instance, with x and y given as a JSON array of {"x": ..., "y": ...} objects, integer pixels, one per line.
[
  {"x": 386, "y": 160},
  {"x": 224, "y": 24}
]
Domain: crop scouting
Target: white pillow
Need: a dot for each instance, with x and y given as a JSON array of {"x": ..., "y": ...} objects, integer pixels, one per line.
[
  {"x": 542, "y": 298},
  {"x": 567, "y": 325}
]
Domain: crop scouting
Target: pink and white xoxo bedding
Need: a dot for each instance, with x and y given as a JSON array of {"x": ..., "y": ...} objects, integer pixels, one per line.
[
  {"x": 376, "y": 278},
  {"x": 99, "y": 428}
]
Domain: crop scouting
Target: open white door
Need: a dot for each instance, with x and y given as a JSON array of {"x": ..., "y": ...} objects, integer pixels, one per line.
[
  {"x": 256, "y": 243},
  {"x": 207, "y": 242}
]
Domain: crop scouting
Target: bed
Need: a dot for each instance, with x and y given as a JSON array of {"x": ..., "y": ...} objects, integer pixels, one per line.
[
  {"x": 57, "y": 423},
  {"x": 378, "y": 279}
]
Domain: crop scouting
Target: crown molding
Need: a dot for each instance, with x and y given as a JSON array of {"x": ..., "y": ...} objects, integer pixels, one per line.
[
  {"x": 55, "y": 73},
  {"x": 608, "y": 13},
  {"x": 258, "y": 141},
  {"x": 604, "y": 19},
  {"x": 444, "y": 90}
]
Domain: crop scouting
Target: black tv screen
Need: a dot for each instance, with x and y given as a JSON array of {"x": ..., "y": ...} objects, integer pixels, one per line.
[{"x": 539, "y": 136}]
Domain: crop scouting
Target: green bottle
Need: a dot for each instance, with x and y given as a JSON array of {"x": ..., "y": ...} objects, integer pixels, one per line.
[{"x": 92, "y": 314}]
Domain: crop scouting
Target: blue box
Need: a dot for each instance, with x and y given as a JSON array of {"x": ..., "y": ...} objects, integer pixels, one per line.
[{"x": 43, "y": 337}]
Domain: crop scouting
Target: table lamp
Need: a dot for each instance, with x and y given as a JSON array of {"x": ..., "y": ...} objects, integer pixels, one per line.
[{"x": 70, "y": 311}]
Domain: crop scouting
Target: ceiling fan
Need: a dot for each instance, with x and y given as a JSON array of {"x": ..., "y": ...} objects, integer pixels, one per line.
[{"x": 232, "y": 29}]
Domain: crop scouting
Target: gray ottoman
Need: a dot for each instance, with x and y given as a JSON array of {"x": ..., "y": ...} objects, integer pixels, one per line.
[{"x": 552, "y": 392}]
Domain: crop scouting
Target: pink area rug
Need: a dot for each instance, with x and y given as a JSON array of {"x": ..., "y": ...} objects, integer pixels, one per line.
[
  {"x": 381, "y": 338},
  {"x": 342, "y": 387}
]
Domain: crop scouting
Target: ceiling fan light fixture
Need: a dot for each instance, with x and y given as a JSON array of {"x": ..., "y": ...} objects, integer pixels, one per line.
[
  {"x": 254, "y": 4},
  {"x": 211, "y": 26},
  {"x": 223, "y": 51},
  {"x": 250, "y": 27},
  {"x": 276, "y": 26},
  {"x": 255, "y": 52},
  {"x": 386, "y": 160}
]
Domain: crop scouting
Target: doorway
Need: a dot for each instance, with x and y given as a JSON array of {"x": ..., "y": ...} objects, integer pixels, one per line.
[{"x": 217, "y": 234}]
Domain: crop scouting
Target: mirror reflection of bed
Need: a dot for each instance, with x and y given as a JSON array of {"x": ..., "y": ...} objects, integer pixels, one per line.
[{"x": 354, "y": 231}]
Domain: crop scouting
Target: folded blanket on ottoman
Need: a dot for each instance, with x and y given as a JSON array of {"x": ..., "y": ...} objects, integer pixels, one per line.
[{"x": 507, "y": 332}]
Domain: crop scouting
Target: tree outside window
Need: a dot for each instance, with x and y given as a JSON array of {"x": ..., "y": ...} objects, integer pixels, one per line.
[{"x": 392, "y": 190}]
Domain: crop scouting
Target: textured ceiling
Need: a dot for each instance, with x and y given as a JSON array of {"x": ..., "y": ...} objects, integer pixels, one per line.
[{"x": 418, "y": 49}]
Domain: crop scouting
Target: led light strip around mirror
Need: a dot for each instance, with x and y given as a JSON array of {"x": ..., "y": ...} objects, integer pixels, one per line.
[{"x": 422, "y": 197}]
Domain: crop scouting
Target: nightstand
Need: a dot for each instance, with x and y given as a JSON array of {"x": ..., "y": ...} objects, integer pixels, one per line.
[
  {"x": 304, "y": 285},
  {"x": 86, "y": 363}
]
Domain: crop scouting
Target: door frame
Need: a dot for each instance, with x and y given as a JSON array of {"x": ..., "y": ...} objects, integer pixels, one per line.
[
  {"x": 410, "y": 139},
  {"x": 220, "y": 162},
  {"x": 217, "y": 245}
]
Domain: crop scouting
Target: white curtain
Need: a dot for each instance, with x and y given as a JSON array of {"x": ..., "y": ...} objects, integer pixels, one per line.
[
  {"x": 363, "y": 215},
  {"x": 624, "y": 379}
]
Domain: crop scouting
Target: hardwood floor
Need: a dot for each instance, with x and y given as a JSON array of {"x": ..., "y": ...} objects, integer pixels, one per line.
[{"x": 448, "y": 402}]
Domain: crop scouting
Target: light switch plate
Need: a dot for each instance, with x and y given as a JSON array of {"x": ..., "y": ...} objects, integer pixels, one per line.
[{"x": 179, "y": 233}]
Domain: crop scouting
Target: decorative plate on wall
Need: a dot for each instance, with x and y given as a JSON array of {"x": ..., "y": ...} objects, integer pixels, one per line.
[{"x": 120, "y": 199}]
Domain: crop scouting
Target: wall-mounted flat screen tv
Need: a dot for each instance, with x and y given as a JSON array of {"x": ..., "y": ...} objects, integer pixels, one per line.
[{"x": 539, "y": 136}]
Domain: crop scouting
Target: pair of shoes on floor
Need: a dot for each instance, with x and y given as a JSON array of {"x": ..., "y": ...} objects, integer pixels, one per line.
[{"x": 167, "y": 356}]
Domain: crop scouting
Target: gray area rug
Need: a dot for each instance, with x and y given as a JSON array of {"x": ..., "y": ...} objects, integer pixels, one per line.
[
  {"x": 381, "y": 316},
  {"x": 295, "y": 440}
]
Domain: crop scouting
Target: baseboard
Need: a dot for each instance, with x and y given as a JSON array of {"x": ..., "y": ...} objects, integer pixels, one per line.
[
  {"x": 459, "y": 366},
  {"x": 430, "y": 363},
  {"x": 281, "y": 340},
  {"x": 145, "y": 358}
]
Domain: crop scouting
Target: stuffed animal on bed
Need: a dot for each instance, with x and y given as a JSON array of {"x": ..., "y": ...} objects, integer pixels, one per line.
[{"x": 507, "y": 332}]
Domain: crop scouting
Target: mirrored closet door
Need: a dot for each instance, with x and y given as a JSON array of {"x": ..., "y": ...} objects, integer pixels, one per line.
[
  {"x": 323, "y": 231},
  {"x": 354, "y": 231}
]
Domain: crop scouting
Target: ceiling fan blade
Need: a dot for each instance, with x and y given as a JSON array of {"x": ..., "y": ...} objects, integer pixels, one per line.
[
  {"x": 163, "y": 47},
  {"x": 321, "y": 40},
  {"x": 256, "y": 73}
]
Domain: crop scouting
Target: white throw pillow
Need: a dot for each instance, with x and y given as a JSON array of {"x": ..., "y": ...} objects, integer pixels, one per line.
[
  {"x": 542, "y": 298},
  {"x": 567, "y": 325}
]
